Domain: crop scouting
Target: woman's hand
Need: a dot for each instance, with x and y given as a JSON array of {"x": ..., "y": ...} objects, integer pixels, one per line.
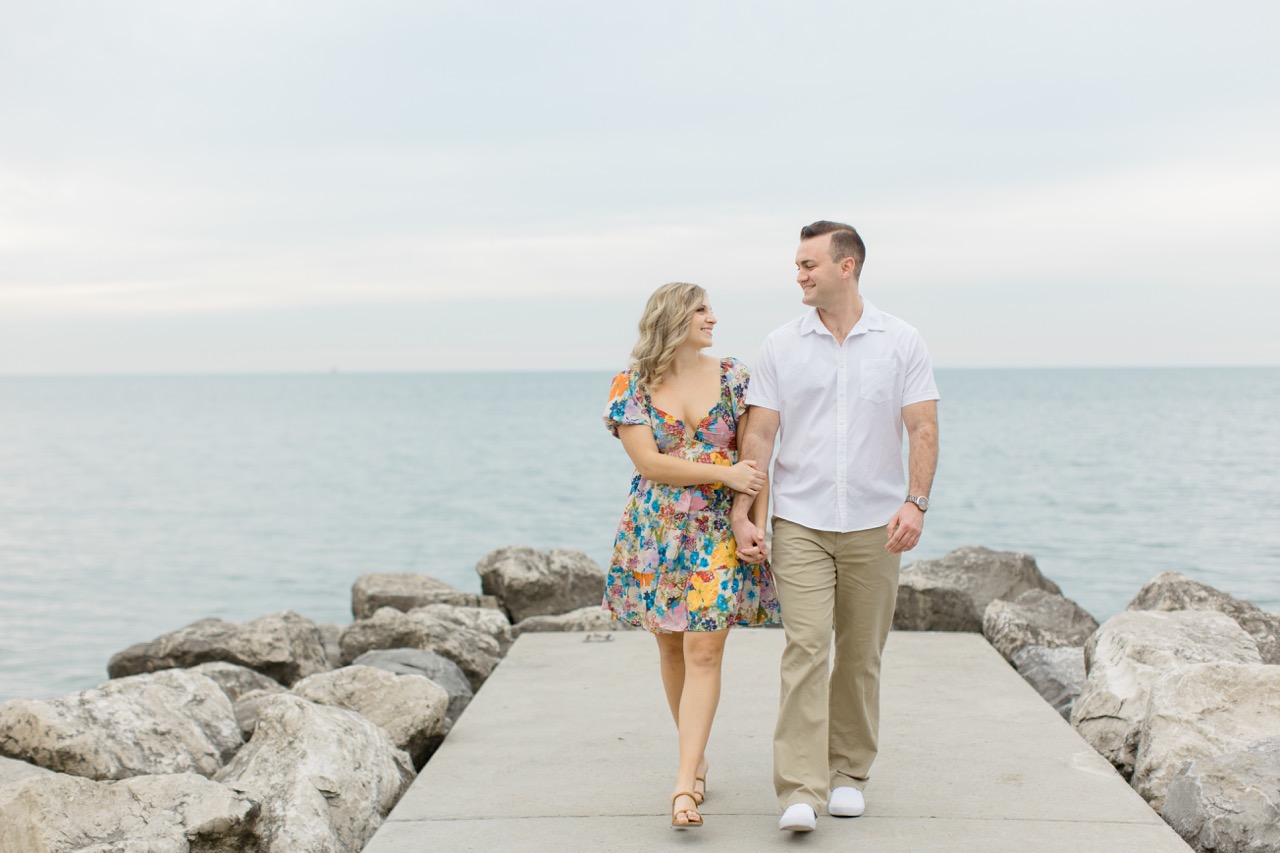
[{"x": 744, "y": 477}]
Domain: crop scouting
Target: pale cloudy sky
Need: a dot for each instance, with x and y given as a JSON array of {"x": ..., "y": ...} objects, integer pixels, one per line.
[{"x": 301, "y": 186}]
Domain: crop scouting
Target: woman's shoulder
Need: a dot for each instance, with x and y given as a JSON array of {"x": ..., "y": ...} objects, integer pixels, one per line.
[
  {"x": 624, "y": 384},
  {"x": 734, "y": 368}
]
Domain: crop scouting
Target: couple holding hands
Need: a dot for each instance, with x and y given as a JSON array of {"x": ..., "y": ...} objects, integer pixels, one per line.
[{"x": 835, "y": 387}]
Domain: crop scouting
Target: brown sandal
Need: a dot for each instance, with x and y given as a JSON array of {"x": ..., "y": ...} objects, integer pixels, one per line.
[
  {"x": 689, "y": 814},
  {"x": 700, "y": 797}
]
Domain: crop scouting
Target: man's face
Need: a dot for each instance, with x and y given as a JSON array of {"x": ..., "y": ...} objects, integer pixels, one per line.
[{"x": 822, "y": 281}]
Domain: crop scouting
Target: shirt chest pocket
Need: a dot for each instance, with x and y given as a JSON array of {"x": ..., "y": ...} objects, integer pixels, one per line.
[{"x": 879, "y": 375}]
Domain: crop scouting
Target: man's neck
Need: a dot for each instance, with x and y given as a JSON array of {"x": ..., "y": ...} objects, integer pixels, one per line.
[{"x": 840, "y": 319}]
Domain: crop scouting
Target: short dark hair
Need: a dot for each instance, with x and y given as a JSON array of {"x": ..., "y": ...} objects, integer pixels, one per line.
[{"x": 845, "y": 242}]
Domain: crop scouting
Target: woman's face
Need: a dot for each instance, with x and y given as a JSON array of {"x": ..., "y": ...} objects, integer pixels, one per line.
[{"x": 700, "y": 326}]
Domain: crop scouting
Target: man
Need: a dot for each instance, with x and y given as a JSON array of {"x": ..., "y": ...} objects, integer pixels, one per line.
[{"x": 836, "y": 386}]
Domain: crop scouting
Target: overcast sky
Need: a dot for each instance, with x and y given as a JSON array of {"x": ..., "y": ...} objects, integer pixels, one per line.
[{"x": 306, "y": 186}]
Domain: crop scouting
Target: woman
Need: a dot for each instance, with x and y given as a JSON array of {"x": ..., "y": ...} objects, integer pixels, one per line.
[{"x": 675, "y": 570}]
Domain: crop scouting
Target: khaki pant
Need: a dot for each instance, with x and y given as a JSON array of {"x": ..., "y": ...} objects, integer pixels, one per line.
[{"x": 829, "y": 713}]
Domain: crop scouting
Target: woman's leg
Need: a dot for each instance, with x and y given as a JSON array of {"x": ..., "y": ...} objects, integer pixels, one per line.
[
  {"x": 671, "y": 664},
  {"x": 703, "y": 652}
]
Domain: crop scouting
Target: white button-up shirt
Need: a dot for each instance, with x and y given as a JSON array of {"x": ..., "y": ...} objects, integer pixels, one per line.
[{"x": 839, "y": 463}]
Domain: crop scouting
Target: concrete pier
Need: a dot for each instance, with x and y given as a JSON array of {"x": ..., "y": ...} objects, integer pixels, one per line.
[{"x": 569, "y": 746}]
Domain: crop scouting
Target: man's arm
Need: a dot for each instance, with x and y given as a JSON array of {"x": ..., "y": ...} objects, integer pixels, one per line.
[
  {"x": 755, "y": 441},
  {"x": 921, "y": 420}
]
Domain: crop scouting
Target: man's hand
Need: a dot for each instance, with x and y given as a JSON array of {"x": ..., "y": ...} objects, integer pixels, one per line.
[
  {"x": 904, "y": 529},
  {"x": 752, "y": 548}
]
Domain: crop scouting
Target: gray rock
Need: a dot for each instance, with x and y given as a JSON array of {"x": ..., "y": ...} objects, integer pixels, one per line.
[
  {"x": 485, "y": 620},
  {"x": 388, "y": 628},
  {"x": 13, "y": 771},
  {"x": 1176, "y": 591},
  {"x": 439, "y": 669},
  {"x": 1056, "y": 674},
  {"x": 1126, "y": 656},
  {"x": 410, "y": 708},
  {"x": 406, "y": 591},
  {"x": 591, "y": 618},
  {"x": 236, "y": 680},
  {"x": 1036, "y": 618},
  {"x": 284, "y": 646},
  {"x": 1199, "y": 711},
  {"x": 155, "y": 814},
  {"x": 476, "y": 652},
  {"x": 325, "y": 777},
  {"x": 1264, "y": 627},
  {"x": 530, "y": 583},
  {"x": 246, "y": 709},
  {"x": 952, "y": 593},
  {"x": 330, "y": 634},
  {"x": 1229, "y": 803},
  {"x": 164, "y": 722}
]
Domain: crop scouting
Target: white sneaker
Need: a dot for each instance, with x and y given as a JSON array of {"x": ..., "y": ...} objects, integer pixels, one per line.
[
  {"x": 846, "y": 802},
  {"x": 799, "y": 817}
]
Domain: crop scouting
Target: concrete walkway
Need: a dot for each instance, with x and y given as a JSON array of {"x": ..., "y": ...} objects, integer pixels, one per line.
[{"x": 569, "y": 746}]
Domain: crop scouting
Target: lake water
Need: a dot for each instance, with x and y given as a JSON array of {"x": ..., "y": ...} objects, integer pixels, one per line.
[{"x": 131, "y": 506}]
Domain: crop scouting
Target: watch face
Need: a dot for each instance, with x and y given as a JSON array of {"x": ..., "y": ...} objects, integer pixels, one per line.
[{"x": 921, "y": 501}]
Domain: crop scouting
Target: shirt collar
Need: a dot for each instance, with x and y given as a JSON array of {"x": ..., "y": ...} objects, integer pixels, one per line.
[{"x": 872, "y": 320}]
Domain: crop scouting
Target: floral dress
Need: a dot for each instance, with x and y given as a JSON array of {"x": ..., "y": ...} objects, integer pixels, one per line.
[{"x": 675, "y": 565}]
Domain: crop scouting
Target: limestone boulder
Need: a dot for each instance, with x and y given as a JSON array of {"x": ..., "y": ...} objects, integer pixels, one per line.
[
  {"x": 163, "y": 722},
  {"x": 486, "y": 620},
  {"x": 1037, "y": 617},
  {"x": 246, "y": 709},
  {"x": 1057, "y": 673},
  {"x": 952, "y": 592},
  {"x": 1176, "y": 591},
  {"x": 1126, "y": 656},
  {"x": 284, "y": 646},
  {"x": 156, "y": 814},
  {"x": 533, "y": 583},
  {"x": 236, "y": 680},
  {"x": 410, "y": 708},
  {"x": 439, "y": 669},
  {"x": 325, "y": 777},
  {"x": 406, "y": 591},
  {"x": 475, "y": 651},
  {"x": 12, "y": 770},
  {"x": 1264, "y": 627},
  {"x": 1200, "y": 711},
  {"x": 1228, "y": 803},
  {"x": 591, "y": 618},
  {"x": 330, "y": 635}
]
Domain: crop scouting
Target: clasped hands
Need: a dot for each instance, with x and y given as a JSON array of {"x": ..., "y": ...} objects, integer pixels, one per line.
[{"x": 752, "y": 548}]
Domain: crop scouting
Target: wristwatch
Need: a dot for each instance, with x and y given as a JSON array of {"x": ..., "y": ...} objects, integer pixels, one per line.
[{"x": 921, "y": 502}]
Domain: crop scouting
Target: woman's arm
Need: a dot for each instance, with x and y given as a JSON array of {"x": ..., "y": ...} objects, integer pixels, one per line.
[
  {"x": 759, "y": 512},
  {"x": 637, "y": 440},
  {"x": 748, "y": 513}
]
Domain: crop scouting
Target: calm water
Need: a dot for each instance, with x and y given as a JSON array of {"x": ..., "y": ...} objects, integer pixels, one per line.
[{"x": 133, "y": 506}]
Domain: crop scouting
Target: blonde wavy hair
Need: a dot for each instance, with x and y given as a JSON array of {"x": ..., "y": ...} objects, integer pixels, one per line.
[{"x": 663, "y": 327}]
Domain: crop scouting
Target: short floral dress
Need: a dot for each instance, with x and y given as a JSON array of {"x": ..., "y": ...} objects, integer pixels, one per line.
[{"x": 675, "y": 565}]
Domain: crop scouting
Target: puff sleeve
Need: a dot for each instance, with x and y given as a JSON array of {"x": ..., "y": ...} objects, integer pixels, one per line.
[{"x": 627, "y": 403}]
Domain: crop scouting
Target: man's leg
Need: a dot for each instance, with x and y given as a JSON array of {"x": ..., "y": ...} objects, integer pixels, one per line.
[
  {"x": 866, "y": 594},
  {"x": 804, "y": 572}
]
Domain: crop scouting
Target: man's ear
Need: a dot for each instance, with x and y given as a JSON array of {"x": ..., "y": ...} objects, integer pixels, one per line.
[{"x": 848, "y": 267}]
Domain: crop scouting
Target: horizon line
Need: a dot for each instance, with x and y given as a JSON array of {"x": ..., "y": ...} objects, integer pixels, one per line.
[{"x": 335, "y": 372}]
